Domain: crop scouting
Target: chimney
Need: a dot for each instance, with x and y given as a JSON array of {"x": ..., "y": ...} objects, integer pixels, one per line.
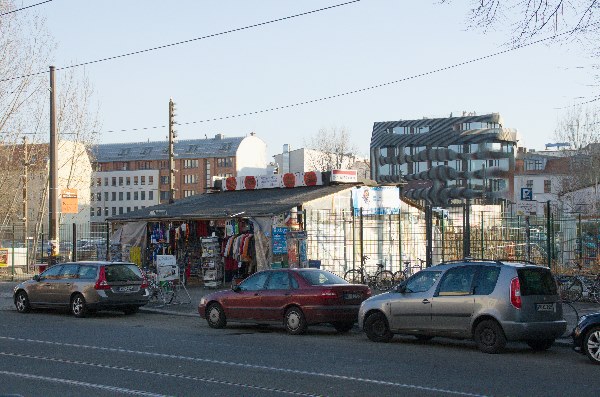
[{"x": 219, "y": 136}]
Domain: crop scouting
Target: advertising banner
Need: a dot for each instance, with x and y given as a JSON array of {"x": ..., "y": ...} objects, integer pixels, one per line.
[
  {"x": 377, "y": 200},
  {"x": 3, "y": 257},
  {"x": 166, "y": 268},
  {"x": 69, "y": 201}
]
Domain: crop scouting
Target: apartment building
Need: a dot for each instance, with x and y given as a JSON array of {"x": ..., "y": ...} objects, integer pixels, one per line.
[
  {"x": 131, "y": 176},
  {"x": 445, "y": 159}
]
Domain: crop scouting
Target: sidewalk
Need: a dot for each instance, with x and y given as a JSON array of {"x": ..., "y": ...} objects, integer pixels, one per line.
[{"x": 196, "y": 292}]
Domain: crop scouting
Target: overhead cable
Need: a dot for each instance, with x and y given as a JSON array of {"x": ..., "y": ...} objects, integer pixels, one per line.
[
  {"x": 187, "y": 41},
  {"x": 24, "y": 8}
]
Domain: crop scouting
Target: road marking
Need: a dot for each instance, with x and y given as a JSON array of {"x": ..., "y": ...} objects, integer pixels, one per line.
[
  {"x": 159, "y": 373},
  {"x": 83, "y": 384},
  {"x": 252, "y": 366}
]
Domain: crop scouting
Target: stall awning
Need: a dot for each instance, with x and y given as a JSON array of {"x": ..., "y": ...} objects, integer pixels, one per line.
[{"x": 242, "y": 203}]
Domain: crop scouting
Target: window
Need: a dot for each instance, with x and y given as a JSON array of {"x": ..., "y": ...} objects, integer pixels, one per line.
[
  {"x": 547, "y": 186},
  {"x": 143, "y": 194},
  {"x": 536, "y": 282},
  {"x": 114, "y": 210},
  {"x": 99, "y": 211},
  {"x": 92, "y": 213},
  {"x": 52, "y": 273},
  {"x": 128, "y": 209},
  {"x": 87, "y": 272},
  {"x": 135, "y": 180},
  {"x": 321, "y": 278},
  {"x": 120, "y": 181},
  {"x": 114, "y": 196},
  {"x": 150, "y": 180},
  {"x": 279, "y": 280},
  {"x": 69, "y": 271},
  {"x": 225, "y": 162},
  {"x": 208, "y": 174},
  {"x": 142, "y": 180},
  {"x": 114, "y": 181},
  {"x": 255, "y": 282},
  {"x": 485, "y": 280},
  {"x": 164, "y": 180},
  {"x": 127, "y": 181},
  {"x": 92, "y": 197},
  {"x": 144, "y": 165},
  {"x": 120, "y": 196},
  {"x": 106, "y": 181},
  {"x": 98, "y": 181},
  {"x": 128, "y": 195},
  {"x": 105, "y": 196},
  {"x": 163, "y": 164},
  {"x": 164, "y": 195},
  {"x": 188, "y": 193},
  {"x": 105, "y": 211},
  {"x": 190, "y": 179},
  {"x": 534, "y": 165},
  {"x": 190, "y": 163},
  {"x": 151, "y": 195},
  {"x": 135, "y": 195},
  {"x": 457, "y": 281},
  {"x": 422, "y": 281},
  {"x": 120, "y": 210},
  {"x": 135, "y": 207}
]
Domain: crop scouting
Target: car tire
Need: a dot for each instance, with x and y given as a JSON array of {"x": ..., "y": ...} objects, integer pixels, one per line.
[
  {"x": 343, "y": 327},
  {"x": 377, "y": 329},
  {"x": 295, "y": 322},
  {"x": 78, "y": 306},
  {"x": 131, "y": 310},
  {"x": 22, "y": 302},
  {"x": 215, "y": 316},
  {"x": 591, "y": 345},
  {"x": 490, "y": 337},
  {"x": 540, "y": 344}
]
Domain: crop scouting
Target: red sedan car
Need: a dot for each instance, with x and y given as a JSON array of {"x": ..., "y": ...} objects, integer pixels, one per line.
[{"x": 296, "y": 297}]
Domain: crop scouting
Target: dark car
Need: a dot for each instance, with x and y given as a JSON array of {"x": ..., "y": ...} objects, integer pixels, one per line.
[
  {"x": 85, "y": 287},
  {"x": 295, "y": 297},
  {"x": 586, "y": 337}
]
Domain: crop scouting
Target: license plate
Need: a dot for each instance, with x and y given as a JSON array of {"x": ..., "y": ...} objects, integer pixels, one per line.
[
  {"x": 351, "y": 296},
  {"x": 129, "y": 288},
  {"x": 545, "y": 307}
]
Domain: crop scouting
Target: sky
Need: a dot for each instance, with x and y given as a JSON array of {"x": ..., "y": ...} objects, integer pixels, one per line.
[{"x": 323, "y": 54}]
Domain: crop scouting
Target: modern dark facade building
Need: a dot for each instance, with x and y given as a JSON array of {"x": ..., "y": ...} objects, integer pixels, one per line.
[{"x": 445, "y": 159}]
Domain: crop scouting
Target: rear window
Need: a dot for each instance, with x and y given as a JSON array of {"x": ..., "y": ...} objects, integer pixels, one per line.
[
  {"x": 127, "y": 272},
  {"x": 536, "y": 282},
  {"x": 321, "y": 277}
]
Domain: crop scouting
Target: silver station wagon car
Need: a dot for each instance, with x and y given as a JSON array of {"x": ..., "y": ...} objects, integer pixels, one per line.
[
  {"x": 84, "y": 287},
  {"x": 491, "y": 302}
]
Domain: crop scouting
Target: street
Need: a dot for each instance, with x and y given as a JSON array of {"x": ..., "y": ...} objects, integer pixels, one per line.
[{"x": 47, "y": 353}]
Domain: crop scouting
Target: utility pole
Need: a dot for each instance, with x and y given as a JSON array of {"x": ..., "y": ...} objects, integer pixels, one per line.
[
  {"x": 53, "y": 203},
  {"x": 172, "y": 137},
  {"x": 25, "y": 166}
]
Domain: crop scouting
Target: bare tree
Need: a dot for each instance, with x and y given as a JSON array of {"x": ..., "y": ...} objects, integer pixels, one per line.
[
  {"x": 580, "y": 128},
  {"x": 331, "y": 149}
]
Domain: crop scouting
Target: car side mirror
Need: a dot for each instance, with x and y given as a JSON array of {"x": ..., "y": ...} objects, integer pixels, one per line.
[
  {"x": 236, "y": 288},
  {"x": 37, "y": 277},
  {"x": 401, "y": 288}
]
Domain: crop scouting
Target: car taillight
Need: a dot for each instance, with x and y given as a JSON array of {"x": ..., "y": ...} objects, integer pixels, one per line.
[
  {"x": 101, "y": 282},
  {"x": 144, "y": 282},
  {"x": 515, "y": 293}
]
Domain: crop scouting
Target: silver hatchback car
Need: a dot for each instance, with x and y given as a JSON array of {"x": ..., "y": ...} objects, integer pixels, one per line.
[
  {"x": 84, "y": 287},
  {"x": 491, "y": 302}
]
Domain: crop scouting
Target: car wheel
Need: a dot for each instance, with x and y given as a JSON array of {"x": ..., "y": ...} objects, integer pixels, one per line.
[
  {"x": 540, "y": 344},
  {"x": 295, "y": 323},
  {"x": 591, "y": 344},
  {"x": 22, "y": 302},
  {"x": 377, "y": 329},
  {"x": 215, "y": 316},
  {"x": 343, "y": 326},
  {"x": 424, "y": 338},
  {"x": 78, "y": 306},
  {"x": 131, "y": 310},
  {"x": 490, "y": 337}
]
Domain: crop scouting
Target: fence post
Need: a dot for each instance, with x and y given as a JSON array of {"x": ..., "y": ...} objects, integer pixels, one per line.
[
  {"x": 528, "y": 237},
  {"x": 428, "y": 235},
  {"x": 362, "y": 248},
  {"x": 548, "y": 247},
  {"x": 13, "y": 253},
  {"x": 353, "y": 240},
  {"x": 467, "y": 229},
  {"x": 482, "y": 236},
  {"x": 74, "y": 244},
  {"x": 107, "y": 241}
]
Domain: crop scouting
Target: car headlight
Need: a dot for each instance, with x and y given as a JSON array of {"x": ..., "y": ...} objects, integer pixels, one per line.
[{"x": 203, "y": 301}]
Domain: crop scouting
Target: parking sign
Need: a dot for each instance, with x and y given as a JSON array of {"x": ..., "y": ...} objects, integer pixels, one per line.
[{"x": 526, "y": 194}]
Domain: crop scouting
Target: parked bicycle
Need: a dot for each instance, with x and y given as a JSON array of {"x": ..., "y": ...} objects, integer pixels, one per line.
[
  {"x": 570, "y": 287},
  {"x": 160, "y": 291},
  {"x": 382, "y": 280},
  {"x": 408, "y": 270}
]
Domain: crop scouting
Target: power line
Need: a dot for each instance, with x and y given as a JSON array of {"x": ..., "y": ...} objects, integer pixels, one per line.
[
  {"x": 360, "y": 90},
  {"x": 187, "y": 41},
  {"x": 24, "y": 8}
]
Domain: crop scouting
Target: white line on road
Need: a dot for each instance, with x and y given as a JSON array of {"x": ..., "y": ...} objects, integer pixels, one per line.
[
  {"x": 159, "y": 373},
  {"x": 252, "y": 366},
  {"x": 83, "y": 384}
]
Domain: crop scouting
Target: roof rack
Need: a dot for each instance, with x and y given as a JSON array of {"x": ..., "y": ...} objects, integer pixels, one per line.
[{"x": 500, "y": 261}]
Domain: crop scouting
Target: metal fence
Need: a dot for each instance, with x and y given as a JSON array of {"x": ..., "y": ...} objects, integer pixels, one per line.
[{"x": 560, "y": 240}]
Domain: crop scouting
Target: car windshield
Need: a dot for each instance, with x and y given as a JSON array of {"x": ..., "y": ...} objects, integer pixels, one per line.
[
  {"x": 536, "y": 281},
  {"x": 321, "y": 277},
  {"x": 126, "y": 272}
]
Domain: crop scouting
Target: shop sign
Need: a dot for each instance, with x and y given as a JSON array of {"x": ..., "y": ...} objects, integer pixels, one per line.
[
  {"x": 268, "y": 181},
  {"x": 526, "y": 207},
  {"x": 3, "y": 257},
  {"x": 287, "y": 180},
  {"x": 69, "y": 201},
  {"x": 279, "y": 240},
  {"x": 376, "y": 200},
  {"x": 344, "y": 176},
  {"x": 166, "y": 268}
]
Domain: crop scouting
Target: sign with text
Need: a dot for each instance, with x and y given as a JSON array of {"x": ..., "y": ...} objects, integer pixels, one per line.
[
  {"x": 279, "y": 240},
  {"x": 345, "y": 176},
  {"x": 69, "y": 201},
  {"x": 526, "y": 194},
  {"x": 376, "y": 200},
  {"x": 166, "y": 268}
]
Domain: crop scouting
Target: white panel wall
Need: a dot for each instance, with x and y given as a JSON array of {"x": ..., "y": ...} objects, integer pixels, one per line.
[{"x": 251, "y": 157}]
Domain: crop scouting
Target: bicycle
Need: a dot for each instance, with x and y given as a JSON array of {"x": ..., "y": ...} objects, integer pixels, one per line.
[
  {"x": 382, "y": 280},
  {"x": 407, "y": 271},
  {"x": 570, "y": 288},
  {"x": 160, "y": 291}
]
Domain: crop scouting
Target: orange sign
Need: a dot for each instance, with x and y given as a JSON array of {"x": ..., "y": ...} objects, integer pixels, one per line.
[{"x": 69, "y": 201}]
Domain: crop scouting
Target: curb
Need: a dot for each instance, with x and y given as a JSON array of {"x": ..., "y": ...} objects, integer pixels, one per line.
[{"x": 167, "y": 312}]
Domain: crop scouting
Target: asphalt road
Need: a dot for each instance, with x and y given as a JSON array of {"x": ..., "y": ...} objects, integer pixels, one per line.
[{"x": 49, "y": 354}]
